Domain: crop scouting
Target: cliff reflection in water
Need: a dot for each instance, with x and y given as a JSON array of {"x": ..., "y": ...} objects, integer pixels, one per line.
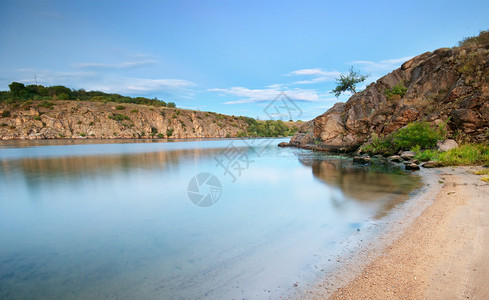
[
  {"x": 384, "y": 184},
  {"x": 72, "y": 168}
]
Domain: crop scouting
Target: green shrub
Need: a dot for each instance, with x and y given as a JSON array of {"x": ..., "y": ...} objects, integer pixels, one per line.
[
  {"x": 79, "y": 122},
  {"x": 169, "y": 132},
  {"x": 91, "y": 123},
  {"x": 398, "y": 90},
  {"x": 37, "y": 118},
  {"x": 83, "y": 134},
  {"x": 479, "y": 40},
  {"x": 119, "y": 117},
  {"x": 120, "y": 107},
  {"x": 47, "y": 104},
  {"x": 415, "y": 136},
  {"x": 160, "y": 135},
  {"x": 468, "y": 154},
  {"x": 6, "y": 114},
  {"x": 134, "y": 111}
]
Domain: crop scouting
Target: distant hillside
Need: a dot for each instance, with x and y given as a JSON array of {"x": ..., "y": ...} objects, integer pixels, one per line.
[
  {"x": 449, "y": 85},
  {"x": 37, "y": 112}
]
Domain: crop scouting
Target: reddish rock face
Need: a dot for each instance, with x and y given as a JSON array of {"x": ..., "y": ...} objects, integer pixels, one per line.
[{"x": 448, "y": 83}]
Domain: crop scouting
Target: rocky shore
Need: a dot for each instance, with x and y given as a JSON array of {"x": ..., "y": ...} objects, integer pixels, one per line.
[{"x": 449, "y": 85}]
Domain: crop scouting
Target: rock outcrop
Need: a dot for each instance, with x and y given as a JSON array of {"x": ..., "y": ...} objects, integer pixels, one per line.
[
  {"x": 448, "y": 85},
  {"x": 80, "y": 119}
]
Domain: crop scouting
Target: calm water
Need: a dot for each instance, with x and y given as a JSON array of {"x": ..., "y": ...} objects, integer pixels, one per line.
[{"x": 90, "y": 220}]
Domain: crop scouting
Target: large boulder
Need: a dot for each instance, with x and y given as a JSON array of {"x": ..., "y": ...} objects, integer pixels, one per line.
[
  {"x": 439, "y": 89},
  {"x": 446, "y": 145}
]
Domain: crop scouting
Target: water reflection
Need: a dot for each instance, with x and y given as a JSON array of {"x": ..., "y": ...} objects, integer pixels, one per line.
[
  {"x": 114, "y": 221},
  {"x": 378, "y": 183}
]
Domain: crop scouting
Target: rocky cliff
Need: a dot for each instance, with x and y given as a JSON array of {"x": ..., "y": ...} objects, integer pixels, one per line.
[
  {"x": 81, "y": 119},
  {"x": 448, "y": 85}
]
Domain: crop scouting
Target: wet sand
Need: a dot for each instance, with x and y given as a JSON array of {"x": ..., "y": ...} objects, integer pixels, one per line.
[{"x": 439, "y": 250}]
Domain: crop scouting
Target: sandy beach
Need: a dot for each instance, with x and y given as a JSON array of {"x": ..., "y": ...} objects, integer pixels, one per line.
[{"x": 439, "y": 250}]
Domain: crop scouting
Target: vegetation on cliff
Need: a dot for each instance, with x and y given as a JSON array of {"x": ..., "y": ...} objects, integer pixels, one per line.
[
  {"x": 37, "y": 112},
  {"x": 404, "y": 109},
  {"x": 18, "y": 92}
]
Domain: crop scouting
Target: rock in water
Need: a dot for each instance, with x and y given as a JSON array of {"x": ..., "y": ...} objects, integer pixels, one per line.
[
  {"x": 446, "y": 145},
  {"x": 408, "y": 155},
  {"x": 363, "y": 159},
  {"x": 283, "y": 144},
  {"x": 395, "y": 158},
  {"x": 431, "y": 164},
  {"x": 412, "y": 166}
]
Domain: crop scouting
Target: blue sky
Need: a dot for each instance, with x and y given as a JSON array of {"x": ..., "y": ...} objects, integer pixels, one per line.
[{"x": 232, "y": 57}]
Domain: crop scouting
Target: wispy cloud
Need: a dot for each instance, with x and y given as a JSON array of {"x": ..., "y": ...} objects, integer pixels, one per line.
[
  {"x": 123, "y": 65},
  {"x": 247, "y": 95},
  {"x": 92, "y": 80},
  {"x": 383, "y": 65},
  {"x": 319, "y": 75}
]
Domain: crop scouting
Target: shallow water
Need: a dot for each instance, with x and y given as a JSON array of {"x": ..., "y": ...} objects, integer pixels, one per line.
[{"x": 94, "y": 220}]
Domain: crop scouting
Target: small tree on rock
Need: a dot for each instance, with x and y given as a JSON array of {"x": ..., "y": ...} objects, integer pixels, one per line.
[{"x": 348, "y": 82}]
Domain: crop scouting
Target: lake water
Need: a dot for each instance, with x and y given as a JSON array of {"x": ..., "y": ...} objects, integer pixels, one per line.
[{"x": 94, "y": 219}]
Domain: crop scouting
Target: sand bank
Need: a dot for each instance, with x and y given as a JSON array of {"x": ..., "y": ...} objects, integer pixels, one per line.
[{"x": 438, "y": 250}]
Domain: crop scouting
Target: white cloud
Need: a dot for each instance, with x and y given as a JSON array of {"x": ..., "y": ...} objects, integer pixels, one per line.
[
  {"x": 131, "y": 86},
  {"x": 123, "y": 65},
  {"x": 320, "y": 75},
  {"x": 268, "y": 94},
  {"x": 144, "y": 86},
  {"x": 383, "y": 65}
]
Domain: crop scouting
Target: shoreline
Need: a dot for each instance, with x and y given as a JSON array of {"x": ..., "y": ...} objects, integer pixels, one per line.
[{"x": 432, "y": 247}]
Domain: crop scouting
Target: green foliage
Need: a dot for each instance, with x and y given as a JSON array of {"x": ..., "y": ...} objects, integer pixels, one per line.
[
  {"x": 134, "y": 111},
  {"x": 479, "y": 40},
  {"x": 348, "y": 82},
  {"x": 269, "y": 128},
  {"x": 169, "y": 132},
  {"x": 482, "y": 172},
  {"x": 378, "y": 145},
  {"x": 468, "y": 154},
  {"x": 171, "y": 105},
  {"x": 120, "y": 107},
  {"x": 417, "y": 134},
  {"x": 20, "y": 92},
  {"x": 83, "y": 134},
  {"x": 398, "y": 90},
  {"x": 47, "y": 104},
  {"x": 119, "y": 117},
  {"x": 154, "y": 130},
  {"x": 160, "y": 135},
  {"x": 414, "y": 136},
  {"x": 6, "y": 113},
  {"x": 37, "y": 118}
]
